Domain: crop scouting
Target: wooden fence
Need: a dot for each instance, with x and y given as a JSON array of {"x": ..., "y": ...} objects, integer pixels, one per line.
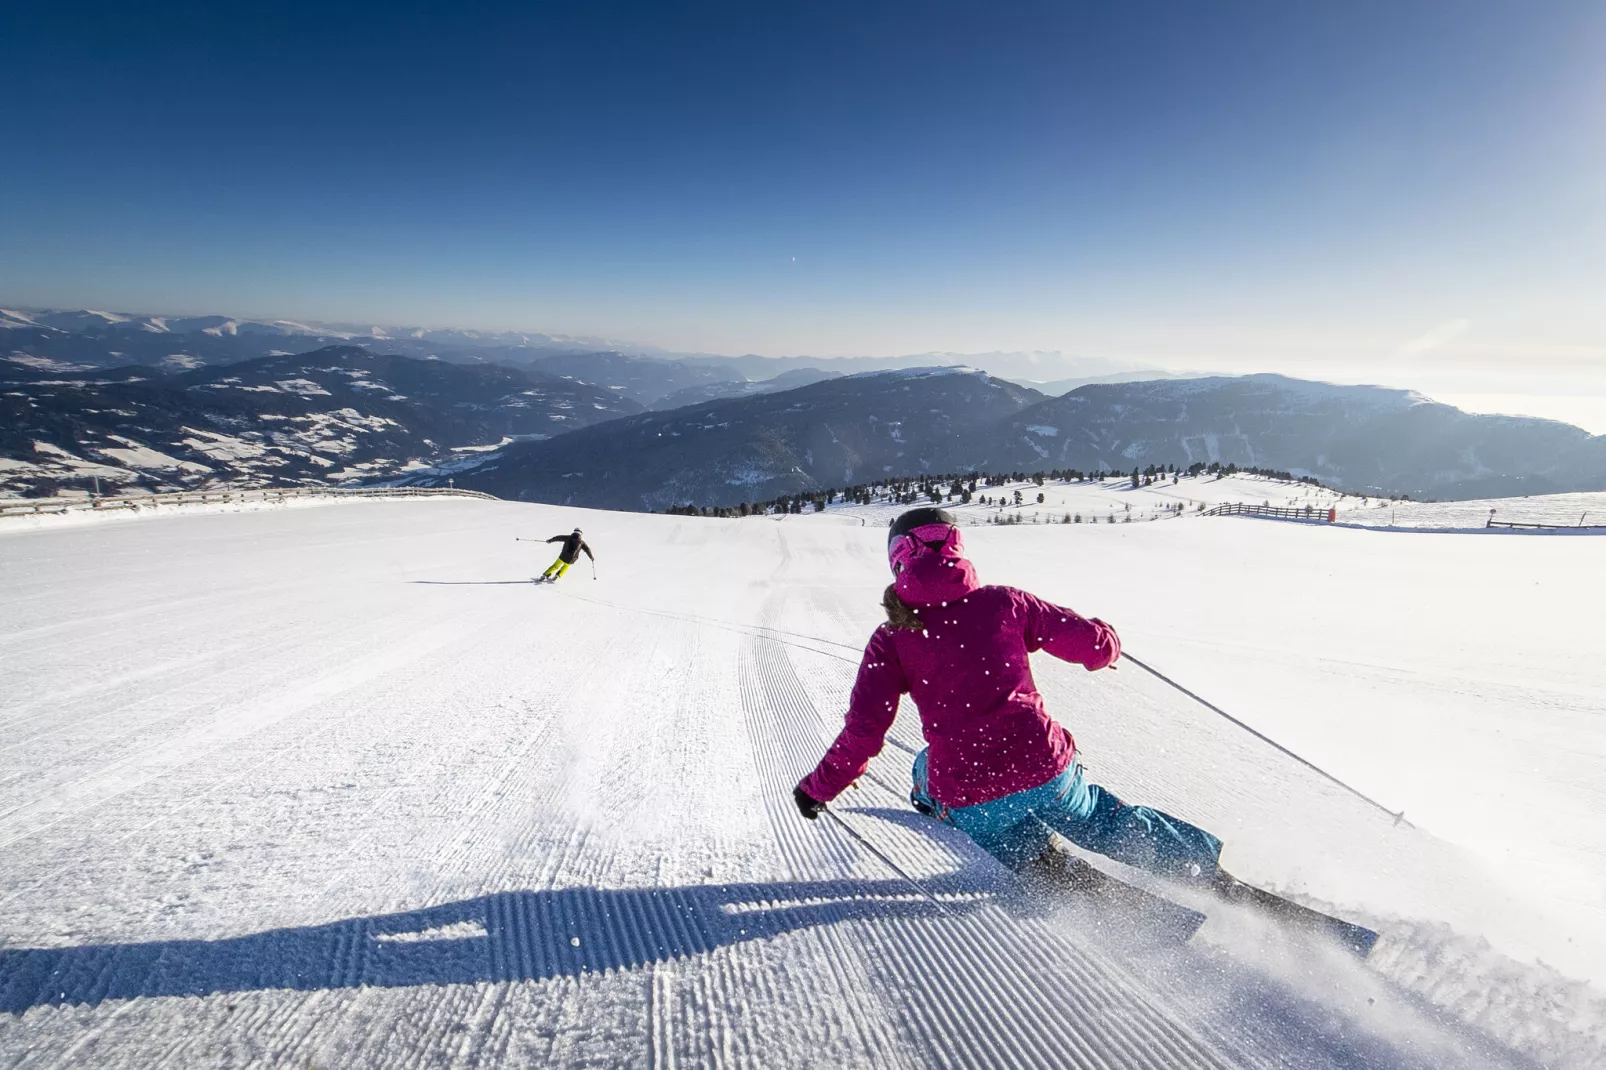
[
  {"x": 1313, "y": 515},
  {"x": 1281, "y": 512},
  {"x": 1580, "y": 526},
  {"x": 43, "y": 506}
]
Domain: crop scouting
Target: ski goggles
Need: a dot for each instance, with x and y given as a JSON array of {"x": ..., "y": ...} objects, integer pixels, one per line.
[{"x": 941, "y": 539}]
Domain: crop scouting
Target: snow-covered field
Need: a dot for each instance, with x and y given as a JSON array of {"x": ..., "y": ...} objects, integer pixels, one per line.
[
  {"x": 340, "y": 787},
  {"x": 1565, "y": 510},
  {"x": 1117, "y": 501}
]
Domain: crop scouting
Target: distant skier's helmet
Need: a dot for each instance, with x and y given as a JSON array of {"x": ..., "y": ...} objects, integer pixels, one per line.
[
  {"x": 577, "y": 531},
  {"x": 922, "y": 531}
]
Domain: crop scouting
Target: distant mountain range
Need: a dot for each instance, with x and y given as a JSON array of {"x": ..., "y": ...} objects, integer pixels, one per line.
[
  {"x": 694, "y": 395},
  {"x": 856, "y": 428},
  {"x": 173, "y": 330},
  {"x": 69, "y": 339},
  {"x": 84, "y": 340},
  {"x": 163, "y": 402},
  {"x": 861, "y": 428},
  {"x": 1361, "y": 438},
  {"x": 338, "y": 414}
]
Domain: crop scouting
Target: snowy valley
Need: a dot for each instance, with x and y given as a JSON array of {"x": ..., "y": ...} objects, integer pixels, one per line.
[{"x": 333, "y": 417}]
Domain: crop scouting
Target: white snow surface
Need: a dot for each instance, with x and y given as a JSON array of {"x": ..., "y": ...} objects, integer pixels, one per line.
[
  {"x": 342, "y": 787},
  {"x": 1098, "y": 500},
  {"x": 1585, "y": 508},
  {"x": 136, "y": 455},
  {"x": 45, "y": 364}
]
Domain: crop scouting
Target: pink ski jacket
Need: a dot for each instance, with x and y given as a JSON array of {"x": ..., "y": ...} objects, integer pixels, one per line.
[{"x": 985, "y": 726}]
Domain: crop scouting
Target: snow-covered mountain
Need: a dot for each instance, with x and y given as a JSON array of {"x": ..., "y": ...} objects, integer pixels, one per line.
[
  {"x": 96, "y": 339},
  {"x": 87, "y": 320},
  {"x": 1367, "y": 439},
  {"x": 1360, "y": 438},
  {"x": 830, "y": 433},
  {"x": 859, "y": 428},
  {"x": 1056, "y": 387},
  {"x": 334, "y": 415},
  {"x": 88, "y": 339},
  {"x": 642, "y": 379},
  {"x": 113, "y": 339},
  {"x": 696, "y": 395}
]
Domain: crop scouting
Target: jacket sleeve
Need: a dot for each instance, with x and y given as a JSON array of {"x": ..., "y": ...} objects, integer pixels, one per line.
[
  {"x": 871, "y": 710},
  {"x": 587, "y": 549},
  {"x": 557, "y": 538},
  {"x": 1068, "y": 635}
]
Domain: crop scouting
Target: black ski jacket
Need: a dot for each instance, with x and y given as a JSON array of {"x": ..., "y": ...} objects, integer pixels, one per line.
[{"x": 572, "y": 545}]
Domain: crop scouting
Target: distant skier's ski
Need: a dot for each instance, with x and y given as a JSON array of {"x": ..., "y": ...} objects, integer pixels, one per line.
[
  {"x": 1059, "y": 873},
  {"x": 1357, "y": 939}
]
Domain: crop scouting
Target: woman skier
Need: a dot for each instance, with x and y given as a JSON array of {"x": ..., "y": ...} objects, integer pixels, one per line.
[{"x": 996, "y": 766}]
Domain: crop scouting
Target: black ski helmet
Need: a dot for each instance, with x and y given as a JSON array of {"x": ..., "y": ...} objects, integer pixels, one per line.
[{"x": 919, "y": 518}]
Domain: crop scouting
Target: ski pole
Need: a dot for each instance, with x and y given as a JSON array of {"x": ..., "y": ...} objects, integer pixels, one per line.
[
  {"x": 1212, "y": 707},
  {"x": 593, "y": 568}
]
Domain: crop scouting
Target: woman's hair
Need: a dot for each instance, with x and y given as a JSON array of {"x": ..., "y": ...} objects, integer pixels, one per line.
[{"x": 899, "y": 613}]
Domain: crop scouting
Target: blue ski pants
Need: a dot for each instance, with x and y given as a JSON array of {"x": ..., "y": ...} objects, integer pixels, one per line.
[{"x": 1015, "y": 829}]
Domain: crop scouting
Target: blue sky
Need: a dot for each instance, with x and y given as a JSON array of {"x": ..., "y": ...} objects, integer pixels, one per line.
[{"x": 1355, "y": 189}]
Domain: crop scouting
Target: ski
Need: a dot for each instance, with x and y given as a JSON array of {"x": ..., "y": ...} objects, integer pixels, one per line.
[
  {"x": 1059, "y": 874},
  {"x": 1357, "y": 939}
]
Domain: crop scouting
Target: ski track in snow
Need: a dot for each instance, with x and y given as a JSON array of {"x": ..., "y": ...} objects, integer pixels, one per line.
[{"x": 336, "y": 787}]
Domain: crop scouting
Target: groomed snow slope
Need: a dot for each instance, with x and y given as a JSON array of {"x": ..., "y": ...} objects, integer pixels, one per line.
[{"x": 340, "y": 787}]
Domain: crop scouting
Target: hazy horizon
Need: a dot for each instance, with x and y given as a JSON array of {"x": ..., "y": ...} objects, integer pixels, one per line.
[{"x": 1585, "y": 408}]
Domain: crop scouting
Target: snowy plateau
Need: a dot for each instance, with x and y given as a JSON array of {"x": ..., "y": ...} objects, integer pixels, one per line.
[{"x": 336, "y": 785}]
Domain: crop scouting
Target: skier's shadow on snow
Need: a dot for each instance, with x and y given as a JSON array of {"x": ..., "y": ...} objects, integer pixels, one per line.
[
  {"x": 575, "y": 931},
  {"x": 503, "y": 937}
]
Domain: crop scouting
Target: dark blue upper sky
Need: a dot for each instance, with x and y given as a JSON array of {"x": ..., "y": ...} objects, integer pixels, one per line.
[{"x": 1201, "y": 184}]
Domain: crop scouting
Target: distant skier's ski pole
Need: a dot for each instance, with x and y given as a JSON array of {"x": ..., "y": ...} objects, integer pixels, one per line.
[
  {"x": 889, "y": 863},
  {"x": 1211, "y": 706}
]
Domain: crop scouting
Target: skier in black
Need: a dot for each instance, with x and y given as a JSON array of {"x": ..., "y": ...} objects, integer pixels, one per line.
[{"x": 573, "y": 544}]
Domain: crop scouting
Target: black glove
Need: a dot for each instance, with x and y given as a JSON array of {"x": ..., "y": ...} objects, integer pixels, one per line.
[{"x": 807, "y": 805}]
